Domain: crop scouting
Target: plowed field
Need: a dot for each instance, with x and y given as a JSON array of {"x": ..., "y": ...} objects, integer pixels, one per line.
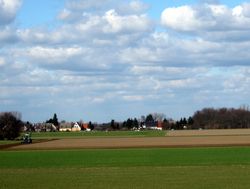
[{"x": 203, "y": 138}]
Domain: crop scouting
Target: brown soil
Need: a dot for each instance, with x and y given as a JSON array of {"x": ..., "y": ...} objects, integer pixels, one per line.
[
  {"x": 177, "y": 139},
  {"x": 212, "y": 132}
]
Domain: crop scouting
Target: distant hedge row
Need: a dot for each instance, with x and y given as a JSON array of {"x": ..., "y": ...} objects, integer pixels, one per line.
[{"x": 223, "y": 118}]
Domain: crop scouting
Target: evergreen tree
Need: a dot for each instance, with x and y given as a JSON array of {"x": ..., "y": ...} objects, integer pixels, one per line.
[
  {"x": 190, "y": 121},
  {"x": 135, "y": 123},
  {"x": 129, "y": 123},
  {"x": 112, "y": 124},
  {"x": 91, "y": 126},
  {"x": 149, "y": 118},
  {"x": 55, "y": 120}
]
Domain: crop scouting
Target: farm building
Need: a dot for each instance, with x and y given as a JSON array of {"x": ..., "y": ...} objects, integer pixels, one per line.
[
  {"x": 44, "y": 127},
  {"x": 154, "y": 125},
  {"x": 74, "y": 127},
  {"x": 65, "y": 126}
]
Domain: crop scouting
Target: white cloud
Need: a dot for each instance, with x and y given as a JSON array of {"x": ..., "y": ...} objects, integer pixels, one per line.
[
  {"x": 7, "y": 36},
  {"x": 206, "y": 17},
  {"x": 8, "y": 10},
  {"x": 56, "y": 54},
  {"x": 77, "y": 9},
  {"x": 132, "y": 7},
  {"x": 130, "y": 23},
  {"x": 133, "y": 98},
  {"x": 138, "y": 6},
  {"x": 246, "y": 9},
  {"x": 181, "y": 18},
  {"x": 106, "y": 56},
  {"x": 2, "y": 61},
  {"x": 109, "y": 27}
]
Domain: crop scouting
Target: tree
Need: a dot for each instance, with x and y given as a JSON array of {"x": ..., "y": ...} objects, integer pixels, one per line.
[
  {"x": 53, "y": 120},
  {"x": 135, "y": 123},
  {"x": 166, "y": 124},
  {"x": 29, "y": 126},
  {"x": 190, "y": 121},
  {"x": 149, "y": 118},
  {"x": 143, "y": 118},
  {"x": 223, "y": 118},
  {"x": 158, "y": 116},
  {"x": 129, "y": 123},
  {"x": 91, "y": 126},
  {"x": 10, "y": 126},
  {"x": 184, "y": 121},
  {"x": 113, "y": 125}
]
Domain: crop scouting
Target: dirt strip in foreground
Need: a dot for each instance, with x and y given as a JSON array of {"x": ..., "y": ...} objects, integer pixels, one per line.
[{"x": 89, "y": 143}]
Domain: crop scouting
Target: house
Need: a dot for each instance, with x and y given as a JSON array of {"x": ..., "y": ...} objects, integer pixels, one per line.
[
  {"x": 85, "y": 126},
  {"x": 45, "y": 127},
  {"x": 74, "y": 127},
  {"x": 66, "y": 126},
  {"x": 154, "y": 125}
]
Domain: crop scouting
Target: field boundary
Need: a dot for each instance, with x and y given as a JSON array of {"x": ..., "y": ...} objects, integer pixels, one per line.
[
  {"x": 154, "y": 142},
  {"x": 7, "y": 146}
]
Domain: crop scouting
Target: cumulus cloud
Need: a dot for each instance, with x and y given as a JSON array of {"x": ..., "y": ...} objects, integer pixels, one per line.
[
  {"x": 8, "y": 36},
  {"x": 106, "y": 56},
  {"x": 245, "y": 8},
  {"x": 8, "y": 10},
  {"x": 78, "y": 9},
  {"x": 57, "y": 54},
  {"x": 110, "y": 27},
  {"x": 73, "y": 58},
  {"x": 126, "y": 24},
  {"x": 206, "y": 17}
]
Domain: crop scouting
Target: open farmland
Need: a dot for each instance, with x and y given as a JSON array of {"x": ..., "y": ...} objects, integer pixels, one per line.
[
  {"x": 4, "y": 142},
  {"x": 136, "y": 142},
  {"x": 210, "y": 132},
  {"x": 134, "y": 162},
  {"x": 237, "y": 137},
  {"x": 94, "y": 134},
  {"x": 127, "y": 168}
]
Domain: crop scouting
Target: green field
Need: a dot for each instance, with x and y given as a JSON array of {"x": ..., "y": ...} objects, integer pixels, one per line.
[
  {"x": 58, "y": 135},
  {"x": 4, "y": 142},
  {"x": 127, "y": 168}
]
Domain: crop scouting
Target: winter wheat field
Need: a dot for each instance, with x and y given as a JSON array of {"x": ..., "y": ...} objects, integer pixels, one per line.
[{"x": 173, "y": 159}]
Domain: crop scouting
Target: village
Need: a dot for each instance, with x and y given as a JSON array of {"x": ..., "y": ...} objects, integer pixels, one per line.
[{"x": 88, "y": 127}]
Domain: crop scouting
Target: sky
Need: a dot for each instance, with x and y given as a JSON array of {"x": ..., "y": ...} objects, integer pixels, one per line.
[{"x": 95, "y": 60}]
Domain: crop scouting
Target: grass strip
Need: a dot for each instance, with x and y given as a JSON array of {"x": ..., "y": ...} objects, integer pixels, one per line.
[{"x": 125, "y": 157}]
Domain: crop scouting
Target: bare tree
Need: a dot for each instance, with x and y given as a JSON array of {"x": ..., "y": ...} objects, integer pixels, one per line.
[
  {"x": 10, "y": 125},
  {"x": 223, "y": 118}
]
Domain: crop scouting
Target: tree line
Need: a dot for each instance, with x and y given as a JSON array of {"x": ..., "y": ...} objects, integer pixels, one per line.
[
  {"x": 207, "y": 118},
  {"x": 222, "y": 118}
]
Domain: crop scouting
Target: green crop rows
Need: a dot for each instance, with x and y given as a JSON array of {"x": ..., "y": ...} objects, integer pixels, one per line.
[
  {"x": 59, "y": 135},
  {"x": 127, "y": 168}
]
